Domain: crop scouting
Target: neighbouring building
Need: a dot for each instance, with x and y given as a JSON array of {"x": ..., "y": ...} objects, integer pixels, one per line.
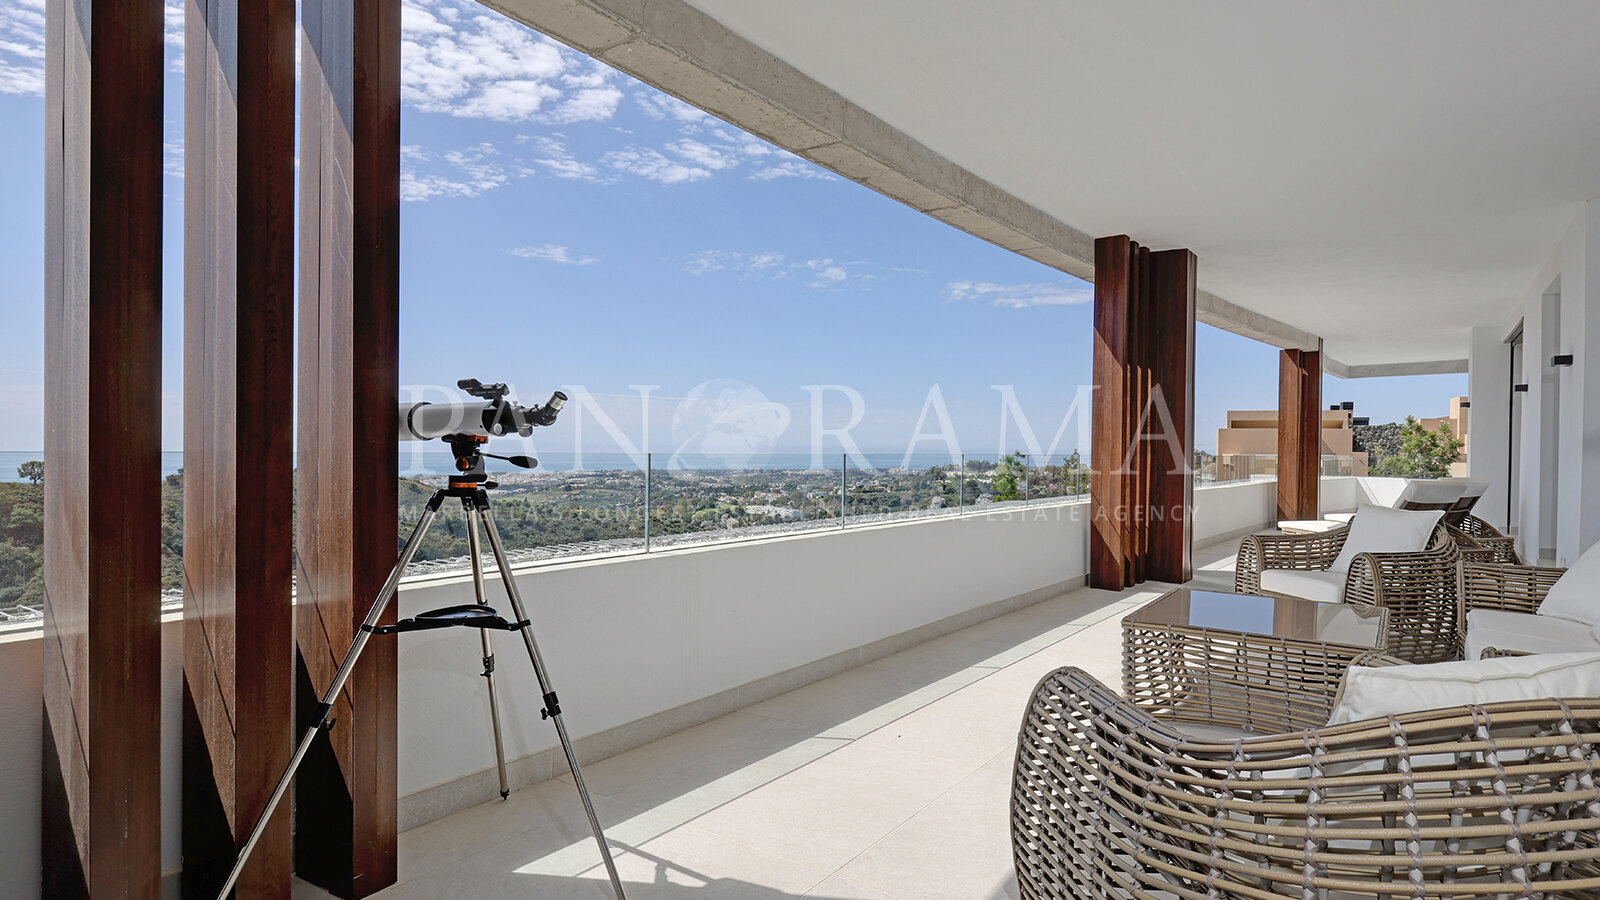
[{"x": 1253, "y": 433}]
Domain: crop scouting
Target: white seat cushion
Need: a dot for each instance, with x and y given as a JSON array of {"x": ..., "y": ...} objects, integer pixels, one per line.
[
  {"x": 1372, "y": 693},
  {"x": 1307, "y": 584},
  {"x": 1314, "y": 526},
  {"x": 1379, "y": 529},
  {"x": 1576, "y": 595},
  {"x": 1505, "y": 630}
]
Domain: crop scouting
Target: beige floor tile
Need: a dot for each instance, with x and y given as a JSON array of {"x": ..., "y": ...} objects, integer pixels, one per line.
[
  {"x": 625, "y": 770},
  {"x": 967, "y": 727},
  {"x": 958, "y": 848},
  {"x": 836, "y": 888},
  {"x": 864, "y": 699},
  {"x": 456, "y": 836},
  {"x": 825, "y": 813},
  {"x": 688, "y": 862},
  {"x": 705, "y": 784}
]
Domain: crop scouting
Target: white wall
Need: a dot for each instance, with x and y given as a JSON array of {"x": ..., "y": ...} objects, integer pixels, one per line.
[
  {"x": 1230, "y": 510},
  {"x": 1574, "y": 266},
  {"x": 629, "y": 639},
  {"x": 1489, "y": 388}
]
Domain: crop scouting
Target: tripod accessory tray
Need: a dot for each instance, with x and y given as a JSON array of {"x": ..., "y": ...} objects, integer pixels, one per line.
[{"x": 470, "y": 615}]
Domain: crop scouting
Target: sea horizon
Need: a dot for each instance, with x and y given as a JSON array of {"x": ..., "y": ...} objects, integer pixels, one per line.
[{"x": 423, "y": 463}]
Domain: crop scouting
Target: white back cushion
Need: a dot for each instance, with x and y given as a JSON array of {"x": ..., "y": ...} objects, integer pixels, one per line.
[
  {"x": 1379, "y": 529},
  {"x": 1371, "y": 693},
  {"x": 1576, "y": 595},
  {"x": 1379, "y": 491}
]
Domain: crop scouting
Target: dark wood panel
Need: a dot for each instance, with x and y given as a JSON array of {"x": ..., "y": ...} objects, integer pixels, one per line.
[
  {"x": 1141, "y": 490},
  {"x": 1299, "y": 433},
  {"x": 101, "y": 801},
  {"x": 238, "y": 406},
  {"x": 1108, "y": 504},
  {"x": 348, "y": 466},
  {"x": 1172, "y": 314}
]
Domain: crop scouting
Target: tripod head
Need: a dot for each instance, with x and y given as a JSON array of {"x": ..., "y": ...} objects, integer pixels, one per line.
[{"x": 468, "y": 451}]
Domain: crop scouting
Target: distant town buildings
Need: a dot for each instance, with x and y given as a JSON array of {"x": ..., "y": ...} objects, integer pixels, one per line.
[{"x": 776, "y": 512}]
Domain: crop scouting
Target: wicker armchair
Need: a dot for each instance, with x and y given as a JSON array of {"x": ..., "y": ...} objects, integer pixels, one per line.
[
  {"x": 1258, "y": 552},
  {"x": 1510, "y": 588},
  {"x": 1418, "y": 589},
  {"x": 1481, "y": 542},
  {"x": 1493, "y": 801}
]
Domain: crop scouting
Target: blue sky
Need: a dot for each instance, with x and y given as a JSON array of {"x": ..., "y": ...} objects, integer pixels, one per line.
[{"x": 598, "y": 233}]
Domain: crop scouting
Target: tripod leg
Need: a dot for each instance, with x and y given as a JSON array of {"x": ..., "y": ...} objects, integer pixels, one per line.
[
  {"x": 331, "y": 695},
  {"x": 552, "y": 706},
  {"x": 468, "y": 507}
]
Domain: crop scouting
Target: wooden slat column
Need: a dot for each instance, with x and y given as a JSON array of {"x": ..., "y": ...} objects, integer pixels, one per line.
[
  {"x": 1141, "y": 486},
  {"x": 1299, "y": 433},
  {"x": 345, "y": 821},
  {"x": 101, "y": 819},
  {"x": 1109, "y": 484},
  {"x": 1171, "y": 361},
  {"x": 238, "y": 684}
]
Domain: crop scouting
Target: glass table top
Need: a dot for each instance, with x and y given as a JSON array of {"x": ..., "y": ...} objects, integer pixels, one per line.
[{"x": 1283, "y": 617}]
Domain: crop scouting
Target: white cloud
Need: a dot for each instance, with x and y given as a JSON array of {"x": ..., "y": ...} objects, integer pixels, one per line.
[
  {"x": 555, "y": 253},
  {"x": 824, "y": 272},
  {"x": 471, "y": 172},
  {"x": 748, "y": 265},
  {"x": 651, "y": 164},
  {"x": 704, "y": 156},
  {"x": 172, "y": 158},
  {"x": 172, "y": 33},
  {"x": 22, "y": 47},
  {"x": 828, "y": 273},
  {"x": 661, "y": 106},
  {"x": 483, "y": 66},
  {"x": 559, "y": 160},
  {"x": 1019, "y": 296},
  {"x": 794, "y": 168}
]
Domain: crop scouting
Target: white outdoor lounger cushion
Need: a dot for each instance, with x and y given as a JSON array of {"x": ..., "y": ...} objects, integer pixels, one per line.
[{"x": 1376, "y": 692}]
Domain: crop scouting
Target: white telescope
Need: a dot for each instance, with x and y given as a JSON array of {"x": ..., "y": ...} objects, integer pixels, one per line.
[{"x": 490, "y": 416}]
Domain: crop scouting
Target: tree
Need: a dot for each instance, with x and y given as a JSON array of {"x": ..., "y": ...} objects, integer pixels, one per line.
[
  {"x": 1422, "y": 453},
  {"x": 33, "y": 470},
  {"x": 1008, "y": 478}
]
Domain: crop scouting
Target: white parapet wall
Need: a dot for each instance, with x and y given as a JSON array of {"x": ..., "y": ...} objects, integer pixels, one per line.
[
  {"x": 640, "y": 646},
  {"x": 644, "y": 646}
]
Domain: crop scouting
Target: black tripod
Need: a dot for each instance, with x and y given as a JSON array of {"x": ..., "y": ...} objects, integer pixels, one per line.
[{"x": 471, "y": 486}]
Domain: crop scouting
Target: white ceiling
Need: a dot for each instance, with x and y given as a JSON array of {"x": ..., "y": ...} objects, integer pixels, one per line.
[{"x": 1383, "y": 174}]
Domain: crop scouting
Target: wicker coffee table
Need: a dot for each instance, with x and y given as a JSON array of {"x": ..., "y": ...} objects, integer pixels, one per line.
[{"x": 1270, "y": 664}]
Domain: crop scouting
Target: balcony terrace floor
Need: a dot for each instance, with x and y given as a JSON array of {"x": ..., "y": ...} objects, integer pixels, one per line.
[{"x": 890, "y": 780}]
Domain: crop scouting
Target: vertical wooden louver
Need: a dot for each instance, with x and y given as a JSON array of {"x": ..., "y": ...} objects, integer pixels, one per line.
[
  {"x": 101, "y": 797},
  {"x": 1141, "y": 486},
  {"x": 238, "y": 641},
  {"x": 348, "y": 470},
  {"x": 1299, "y": 433}
]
